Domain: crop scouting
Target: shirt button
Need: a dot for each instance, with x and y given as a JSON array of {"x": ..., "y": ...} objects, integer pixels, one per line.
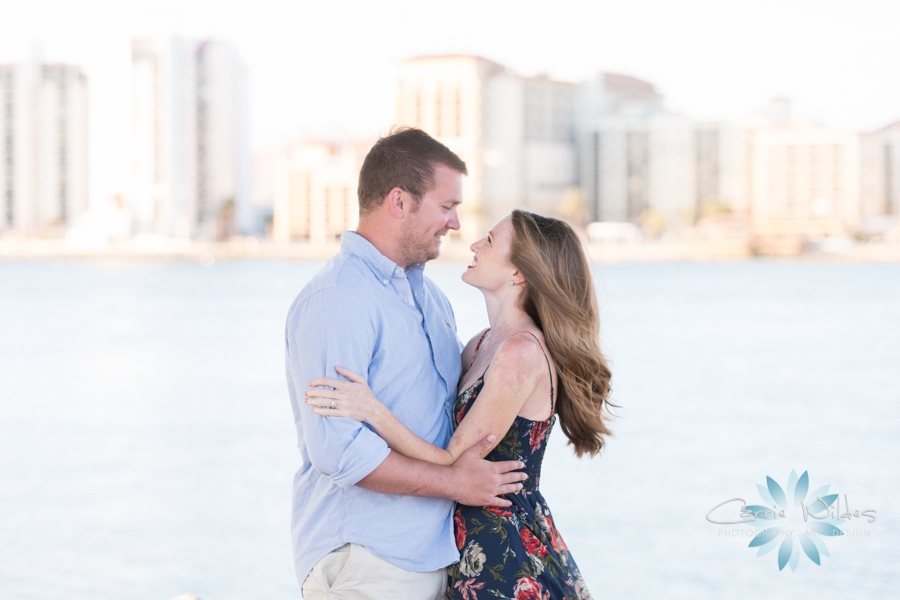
[
  {"x": 399, "y": 272},
  {"x": 384, "y": 281}
]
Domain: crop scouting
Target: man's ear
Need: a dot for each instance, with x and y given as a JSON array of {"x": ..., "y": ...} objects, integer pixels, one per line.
[{"x": 395, "y": 201}]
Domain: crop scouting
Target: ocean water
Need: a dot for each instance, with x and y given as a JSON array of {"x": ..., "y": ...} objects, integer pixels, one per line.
[{"x": 147, "y": 445}]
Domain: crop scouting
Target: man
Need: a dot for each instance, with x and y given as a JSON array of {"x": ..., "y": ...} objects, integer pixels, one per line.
[{"x": 368, "y": 522}]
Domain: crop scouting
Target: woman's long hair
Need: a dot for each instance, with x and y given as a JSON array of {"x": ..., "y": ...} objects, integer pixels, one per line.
[{"x": 559, "y": 297}]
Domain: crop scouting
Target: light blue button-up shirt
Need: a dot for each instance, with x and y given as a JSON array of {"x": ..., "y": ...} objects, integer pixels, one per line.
[{"x": 393, "y": 325}]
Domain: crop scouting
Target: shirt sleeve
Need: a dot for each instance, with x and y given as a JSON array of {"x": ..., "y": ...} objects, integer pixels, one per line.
[{"x": 332, "y": 327}]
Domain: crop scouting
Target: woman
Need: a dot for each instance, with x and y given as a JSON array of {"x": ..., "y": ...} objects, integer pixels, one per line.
[{"x": 539, "y": 294}]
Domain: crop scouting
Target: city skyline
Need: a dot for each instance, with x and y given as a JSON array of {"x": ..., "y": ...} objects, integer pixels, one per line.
[
  {"x": 608, "y": 149},
  {"x": 603, "y": 149},
  {"x": 313, "y": 70}
]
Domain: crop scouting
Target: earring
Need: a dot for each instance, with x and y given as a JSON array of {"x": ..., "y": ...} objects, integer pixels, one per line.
[{"x": 511, "y": 282}]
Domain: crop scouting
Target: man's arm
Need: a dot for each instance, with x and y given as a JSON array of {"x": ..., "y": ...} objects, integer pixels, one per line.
[
  {"x": 347, "y": 451},
  {"x": 471, "y": 480},
  {"x": 515, "y": 369},
  {"x": 329, "y": 327}
]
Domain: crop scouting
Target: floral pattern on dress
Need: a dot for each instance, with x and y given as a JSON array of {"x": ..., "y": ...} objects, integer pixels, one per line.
[{"x": 513, "y": 553}]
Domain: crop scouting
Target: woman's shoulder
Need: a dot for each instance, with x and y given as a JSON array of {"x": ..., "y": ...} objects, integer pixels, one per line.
[{"x": 522, "y": 351}]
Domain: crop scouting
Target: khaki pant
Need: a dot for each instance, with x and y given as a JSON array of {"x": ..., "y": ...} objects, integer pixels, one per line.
[{"x": 354, "y": 573}]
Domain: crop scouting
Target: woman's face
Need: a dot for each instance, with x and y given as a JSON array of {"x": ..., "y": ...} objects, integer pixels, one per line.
[{"x": 490, "y": 268}]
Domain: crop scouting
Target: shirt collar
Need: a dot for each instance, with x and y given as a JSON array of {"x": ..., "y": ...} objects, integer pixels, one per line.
[{"x": 381, "y": 265}]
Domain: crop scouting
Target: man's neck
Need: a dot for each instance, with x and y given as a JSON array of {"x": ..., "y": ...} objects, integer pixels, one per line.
[{"x": 380, "y": 236}]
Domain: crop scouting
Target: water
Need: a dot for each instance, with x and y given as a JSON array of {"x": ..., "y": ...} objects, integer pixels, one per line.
[{"x": 147, "y": 445}]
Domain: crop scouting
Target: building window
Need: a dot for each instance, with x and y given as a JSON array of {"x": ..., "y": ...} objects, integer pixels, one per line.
[
  {"x": 458, "y": 116},
  {"x": 890, "y": 181}
]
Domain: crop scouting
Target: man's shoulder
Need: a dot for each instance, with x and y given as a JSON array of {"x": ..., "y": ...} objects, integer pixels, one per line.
[{"x": 340, "y": 284}]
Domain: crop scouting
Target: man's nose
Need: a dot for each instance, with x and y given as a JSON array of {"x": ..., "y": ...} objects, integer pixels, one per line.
[{"x": 453, "y": 223}]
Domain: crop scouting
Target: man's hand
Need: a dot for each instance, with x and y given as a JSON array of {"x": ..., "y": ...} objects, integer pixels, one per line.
[
  {"x": 479, "y": 482},
  {"x": 471, "y": 480}
]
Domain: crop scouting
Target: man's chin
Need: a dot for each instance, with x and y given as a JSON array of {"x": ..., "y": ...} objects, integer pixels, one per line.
[
  {"x": 424, "y": 253},
  {"x": 435, "y": 250}
]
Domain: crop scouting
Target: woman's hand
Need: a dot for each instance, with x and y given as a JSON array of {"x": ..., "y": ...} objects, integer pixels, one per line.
[{"x": 351, "y": 399}]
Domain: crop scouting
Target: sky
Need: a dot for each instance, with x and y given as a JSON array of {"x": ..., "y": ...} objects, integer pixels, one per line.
[{"x": 325, "y": 68}]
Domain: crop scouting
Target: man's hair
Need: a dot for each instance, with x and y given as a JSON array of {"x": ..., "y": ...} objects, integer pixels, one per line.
[{"x": 405, "y": 158}]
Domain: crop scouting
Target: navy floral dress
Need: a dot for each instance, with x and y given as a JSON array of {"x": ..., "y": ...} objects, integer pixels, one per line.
[{"x": 514, "y": 552}]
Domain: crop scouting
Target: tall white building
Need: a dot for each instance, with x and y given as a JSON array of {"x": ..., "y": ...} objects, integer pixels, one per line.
[
  {"x": 635, "y": 156},
  {"x": 550, "y": 163},
  {"x": 516, "y": 134},
  {"x": 43, "y": 146},
  {"x": 635, "y": 165},
  {"x": 191, "y": 151},
  {"x": 807, "y": 176},
  {"x": 315, "y": 191},
  {"x": 723, "y": 166},
  {"x": 616, "y": 169},
  {"x": 881, "y": 179},
  {"x": 449, "y": 97},
  {"x": 672, "y": 168},
  {"x": 613, "y": 139}
]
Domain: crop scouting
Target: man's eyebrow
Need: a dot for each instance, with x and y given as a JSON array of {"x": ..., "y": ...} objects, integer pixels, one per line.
[{"x": 453, "y": 201}]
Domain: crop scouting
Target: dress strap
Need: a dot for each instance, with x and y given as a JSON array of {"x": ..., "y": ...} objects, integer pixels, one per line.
[
  {"x": 478, "y": 345},
  {"x": 549, "y": 371}
]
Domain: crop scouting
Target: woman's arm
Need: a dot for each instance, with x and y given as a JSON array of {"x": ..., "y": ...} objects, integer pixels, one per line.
[
  {"x": 354, "y": 399},
  {"x": 512, "y": 377}
]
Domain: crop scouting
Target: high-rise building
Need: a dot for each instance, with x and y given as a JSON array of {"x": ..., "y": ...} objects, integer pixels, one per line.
[
  {"x": 615, "y": 177},
  {"x": 43, "y": 146},
  {"x": 881, "y": 179},
  {"x": 191, "y": 147},
  {"x": 636, "y": 165},
  {"x": 609, "y": 94},
  {"x": 449, "y": 97},
  {"x": 515, "y": 133},
  {"x": 673, "y": 167},
  {"x": 315, "y": 191},
  {"x": 636, "y": 158},
  {"x": 806, "y": 177},
  {"x": 550, "y": 162},
  {"x": 723, "y": 163}
]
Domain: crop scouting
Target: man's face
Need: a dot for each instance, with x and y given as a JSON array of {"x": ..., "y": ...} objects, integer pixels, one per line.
[{"x": 424, "y": 226}]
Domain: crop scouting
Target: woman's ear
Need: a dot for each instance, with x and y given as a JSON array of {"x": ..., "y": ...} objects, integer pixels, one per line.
[{"x": 517, "y": 278}]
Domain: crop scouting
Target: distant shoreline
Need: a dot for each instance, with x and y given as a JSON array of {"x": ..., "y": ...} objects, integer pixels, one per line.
[{"x": 252, "y": 249}]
